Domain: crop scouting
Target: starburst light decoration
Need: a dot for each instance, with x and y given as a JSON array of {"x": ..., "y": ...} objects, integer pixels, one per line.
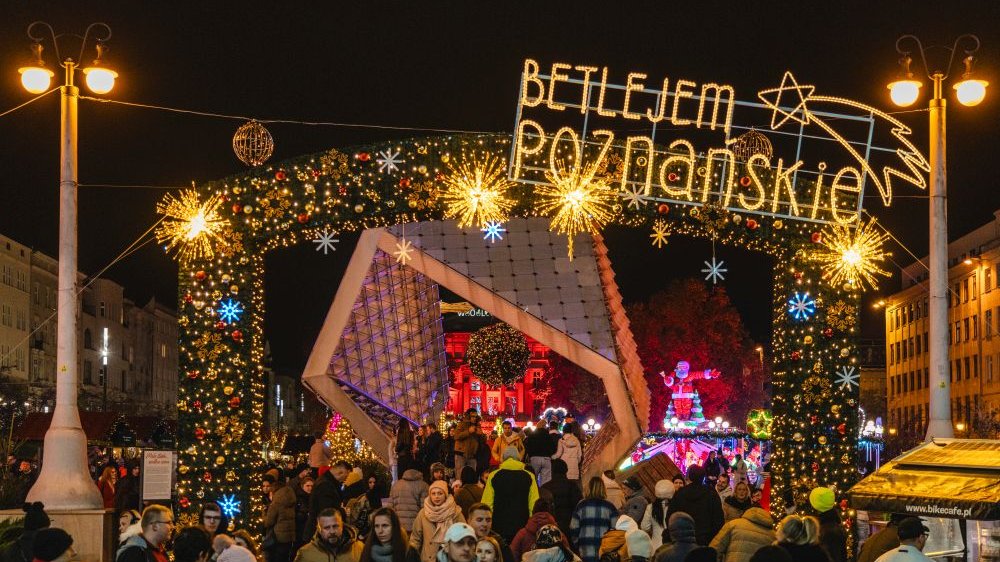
[
  {"x": 660, "y": 233},
  {"x": 493, "y": 231},
  {"x": 476, "y": 191},
  {"x": 801, "y": 306},
  {"x": 190, "y": 226},
  {"x": 853, "y": 255},
  {"x": 576, "y": 199},
  {"x": 230, "y": 310},
  {"x": 229, "y": 504}
]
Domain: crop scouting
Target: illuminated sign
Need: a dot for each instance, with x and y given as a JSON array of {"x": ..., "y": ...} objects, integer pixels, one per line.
[{"x": 572, "y": 123}]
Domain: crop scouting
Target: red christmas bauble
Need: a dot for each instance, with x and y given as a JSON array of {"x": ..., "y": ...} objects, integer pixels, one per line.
[
  {"x": 405, "y": 182},
  {"x": 193, "y": 374},
  {"x": 237, "y": 335},
  {"x": 796, "y": 355},
  {"x": 745, "y": 181},
  {"x": 199, "y": 433},
  {"x": 207, "y": 477},
  {"x": 341, "y": 190},
  {"x": 817, "y": 237},
  {"x": 237, "y": 208},
  {"x": 280, "y": 175},
  {"x": 663, "y": 208},
  {"x": 196, "y": 405},
  {"x": 188, "y": 298},
  {"x": 828, "y": 332},
  {"x": 200, "y": 275},
  {"x": 303, "y": 218},
  {"x": 815, "y": 466},
  {"x": 813, "y": 419},
  {"x": 752, "y": 224},
  {"x": 184, "y": 502},
  {"x": 220, "y": 325},
  {"x": 234, "y": 402},
  {"x": 364, "y": 156},
  {"x": 842, "y": 428},
  {"x": 843, "y": 503},
  {"x": 672, "y": 177},
  {"x": 316, "y": 173}
]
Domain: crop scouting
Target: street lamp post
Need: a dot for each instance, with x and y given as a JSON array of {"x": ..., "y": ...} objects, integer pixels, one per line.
[
  {"x": 904, "y": 92},
  {"x": 64, "y": 482}
]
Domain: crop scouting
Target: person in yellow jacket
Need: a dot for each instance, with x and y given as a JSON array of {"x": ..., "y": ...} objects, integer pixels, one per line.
[
  {"x": 518, "y": 491},
  {"x": 507, "y": 439}
]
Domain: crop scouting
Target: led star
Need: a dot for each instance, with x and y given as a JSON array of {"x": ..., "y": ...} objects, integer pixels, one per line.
[
  {"x": 229, "y": 504},
  {"x": 326, "y": 242},
  {"x": 799, "y": 113},
  {"x": 494, "y": 231},
  {"x": 853, "y": 256},
  {"x": 388, "y": 161},
  {"x": 576, "y": 199},
  {"x": 635, "y": 195},
  {"x": 660, "y": 234},
  {"x": 801, "y": 306},
  {"x": 403, "y": 250},
  {"x": 230, "y": 310},
  {"x": 714, "y": 270},
  {"x": 847, "y": 377},
  {"x": 189, "y": 225},
  {"x": 476, "y": 191}
]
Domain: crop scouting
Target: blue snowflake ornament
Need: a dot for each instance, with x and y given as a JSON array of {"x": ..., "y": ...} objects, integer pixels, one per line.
[
  {"x": 230, "y": 311},
  {"x": 801, "y": 306},
  {"x": 229, "y": 504}
]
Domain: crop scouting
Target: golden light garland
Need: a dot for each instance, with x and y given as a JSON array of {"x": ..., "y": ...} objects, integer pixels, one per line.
[
  {"x": 852, "y": 256},
  {"x": 476, "y": 191},
  {"x": 577, "y": 199},
  {"x": 190, "y": 226}
]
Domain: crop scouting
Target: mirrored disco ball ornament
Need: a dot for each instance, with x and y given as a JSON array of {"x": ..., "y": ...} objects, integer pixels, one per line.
[{"x": 253, "y": 143}]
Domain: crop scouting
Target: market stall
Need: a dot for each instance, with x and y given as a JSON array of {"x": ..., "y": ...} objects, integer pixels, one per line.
[{"x": 954, "y": 484}]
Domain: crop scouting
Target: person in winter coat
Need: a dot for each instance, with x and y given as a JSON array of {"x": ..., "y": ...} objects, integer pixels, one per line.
[
  {"x": 334, "y": 540},
  {"x": 157, "y": 525},
  {"x": 539, "y": 448},
  {"x": 700, "y": 501},
  {"x": 438, "y": 513},
  {"x": 407, "y": 497},
  {"x": 740, "y": 538},
  {"x": 565, "y": 494},
  {"x": 613, "y": 540},
  {"x": 882, "y": 541},
  {"x": 483, "y": 451},
  {"x": 279, "y": 521},
  {"x": 430, "y": 452},
  {"x": 386, "y": 541},
  {"x": 639, "y": 546},
  {"x": 405, "y": 446},
  {"x": 326, "y": 491},
  {"x": 465, "y": 442},
  {"x": 507, "y": 438},
  {"x": 614, "y": 490},
  {"x": 127, "y": 492},
  {"x": 35, "y": 519},
  {"x": 106, "y": 485},
  {"x": 740, "y": 469},
  {"x": 635, "y": 504},
  {"x": 654, "y": 521},
  {"x": 832, "y": 535},
  {"x": 470, "y": 493},
  {"x": 591, "y": 520},
  {"x": 680, "y": 526},
  {"x": 734, "y": 506},
  {"x": 570, "y": 450},
  {"x": 722, "y": 487},
  {"x": 550, "y": 546},
  {"x": 771, "y": 553},
  {"x": 799, "y": 536},
  {"x": 524, "y": 540},
  {"x": 511, "y": 492},
  {"x": 319, "y": 452}
]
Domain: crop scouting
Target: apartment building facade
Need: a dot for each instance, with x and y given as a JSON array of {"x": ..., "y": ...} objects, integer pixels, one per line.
[
  {"x": 973, "y": 337},
  {"x": 127, "y": 353}
]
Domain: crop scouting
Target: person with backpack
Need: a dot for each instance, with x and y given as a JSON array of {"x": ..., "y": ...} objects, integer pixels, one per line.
[
  {"x": 614, "y": 548},
  {"x": 591, "y": 519}
]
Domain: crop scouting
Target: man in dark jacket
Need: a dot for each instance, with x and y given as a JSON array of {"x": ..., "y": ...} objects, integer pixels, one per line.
[
  {"x": 157, "y": 525},
  {"x": 430, "y": 453},
  {"x": 565, "y": 495},
  {"x": 538, "y": 449},
  {"x": 483, "y": 452},
  {"x": 882, "y": 541},
  {"x": 326, "y": 491},
  {"x": 511, "y": 493},
  {"x": 702, "y": 503}
]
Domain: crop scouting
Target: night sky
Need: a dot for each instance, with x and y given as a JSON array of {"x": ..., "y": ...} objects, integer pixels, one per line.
[{"x": 451, "y": 65}]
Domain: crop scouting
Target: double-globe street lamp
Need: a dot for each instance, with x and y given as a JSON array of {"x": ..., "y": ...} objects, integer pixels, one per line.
[
  {"x": 64, "y": 482},
  {"x": 904, "y": 92}
]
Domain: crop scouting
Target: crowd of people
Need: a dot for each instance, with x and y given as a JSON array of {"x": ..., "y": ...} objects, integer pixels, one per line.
[{"x": 524, "y": 503}]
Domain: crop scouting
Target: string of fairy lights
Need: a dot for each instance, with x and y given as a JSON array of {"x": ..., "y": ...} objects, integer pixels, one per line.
[{"x": 220, "y": 232}]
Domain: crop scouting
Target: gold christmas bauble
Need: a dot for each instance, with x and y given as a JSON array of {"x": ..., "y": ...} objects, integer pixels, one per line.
[
  {"x": 220, "y": 460},
  {"x": 253, "y": 143}
]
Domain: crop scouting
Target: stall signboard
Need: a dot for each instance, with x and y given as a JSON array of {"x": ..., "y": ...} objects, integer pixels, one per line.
[{"x": 158, "y": 474}]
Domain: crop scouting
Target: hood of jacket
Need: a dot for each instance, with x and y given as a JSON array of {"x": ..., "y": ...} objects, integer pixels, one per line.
[
  {"x": 759, "y": 516},
  {"x": 551, "y": 554},
  {"x": 511, "y": 464},
  {"x": 626, "y": 523},
  {"x": 412, "y": 474},
  {"x": 570, "y": 441},
  {"x": 352, "y": 478},
  {"x": 135, "y": 540},
  {"x": 681, "y": 526},
  {"x": 537, "y": 521}
]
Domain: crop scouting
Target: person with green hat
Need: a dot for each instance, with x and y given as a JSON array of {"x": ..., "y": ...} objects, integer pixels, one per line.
[{"x": 832, "y": 535}]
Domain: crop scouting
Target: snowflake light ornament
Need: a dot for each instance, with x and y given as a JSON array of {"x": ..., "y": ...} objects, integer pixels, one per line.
[
  {"x": 403, "y": 250},
  {"x": 389, "y": 161},
  {"x": 229, "y": 504},
  {"x": 801, "y": 306},
  {"x": 326, "y": 242},
  {"x": 847, "y": 377},
  {"x": 714, "y": 270},
  {"x": 660, "y": 234},
  {"x": 230, "y": 311},
  {"x": 494, "y": 231},
  {"x": 635, "y": 195}
]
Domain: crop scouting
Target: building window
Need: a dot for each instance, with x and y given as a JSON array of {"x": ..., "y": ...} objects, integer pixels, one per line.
[
  {"x": 88, "y": 340},
  {"x": 88, "y": 373},
  {"x": 918, "y": 344},
  {"x": 958, "y": 370},
  {"x": 975, "y": 291},
  {"x": 965, "y": 290},
  {"x": 975, "y": 326},
  {"x": 925, "y": 340},
  {"x": 102, "y": 309},
  {"x": 904, "y": 350},
  {"x": 910, "y": 343},
  {"x": 968, "y": 372},
  {"x": 909, "y": 313},
  {"x": 958, "y": 331},
  {"x": 988, "y": 324},
  {"x": 965, "y": 321}
]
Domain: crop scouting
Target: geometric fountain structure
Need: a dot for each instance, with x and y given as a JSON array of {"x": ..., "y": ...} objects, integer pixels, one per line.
[{"x": 380, "y": 353}]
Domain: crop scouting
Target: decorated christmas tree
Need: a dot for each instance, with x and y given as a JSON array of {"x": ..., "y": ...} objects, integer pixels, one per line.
[{"x": 345, "y": 444}]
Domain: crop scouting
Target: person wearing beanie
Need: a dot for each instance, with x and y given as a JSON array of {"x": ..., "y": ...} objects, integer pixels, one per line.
[
  {"x": 438, "y": 514},
  {"x": 740, "y": 538},
  {"x": 694, "y": 499},
  {"x": 832, "y": 535},
  {"x": 635, "y": 501},
  {"x": 35, "y": 519},
  {"x": 655, "y": 518},
  {"x": 407, "y": 497},
  {"x": 524, "y": 540},
  {"x": 639, "y": 546},
  {"x": 681, "y": 539},
  {"x": 511, "y": 492},
  {"x": 565, "y": 494},
  {"x": 438, "y": 471},
  {"x": 52, "y": 545}
]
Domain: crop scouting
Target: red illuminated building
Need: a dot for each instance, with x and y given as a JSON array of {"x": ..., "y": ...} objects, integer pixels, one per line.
[{"x": 466, "y": 391}]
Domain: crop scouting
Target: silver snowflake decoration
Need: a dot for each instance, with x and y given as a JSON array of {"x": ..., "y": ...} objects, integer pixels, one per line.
[
  {"x": 493, "y": 231},
  {"x": 326, "y": 242},
  {"x": 715, "y": 271},
  {"x": 635, "y": 195},
  {"x": 847, "y": 377},
  {"x": 388, "y": 161},
  {"x": 403, "y": 250}
]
